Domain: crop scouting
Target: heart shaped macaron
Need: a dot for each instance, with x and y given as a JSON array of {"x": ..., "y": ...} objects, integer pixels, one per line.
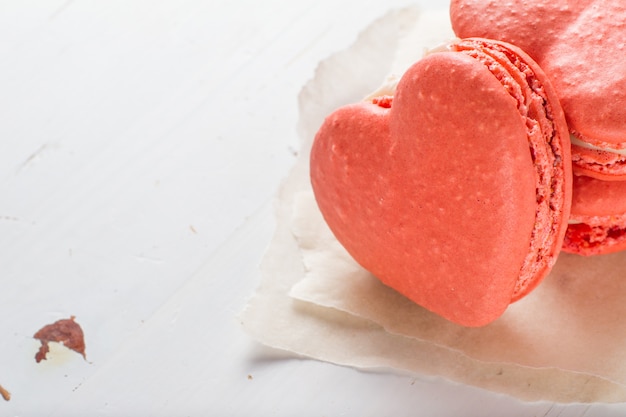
[
  {"x": 456, "y": 190},
  {"x": 580, "y": 45}
]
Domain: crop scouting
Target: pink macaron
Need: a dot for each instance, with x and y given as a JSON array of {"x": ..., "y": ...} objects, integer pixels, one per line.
[
  {"x": 456, "y": 190},
  {"x": 580, "y": 45}
]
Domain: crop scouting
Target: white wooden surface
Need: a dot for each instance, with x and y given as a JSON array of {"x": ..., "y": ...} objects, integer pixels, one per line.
[{"x": 141, "y": 142}]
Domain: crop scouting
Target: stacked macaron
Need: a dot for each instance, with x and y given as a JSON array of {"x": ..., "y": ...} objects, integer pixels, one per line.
[
  {"x": 458, "y": 190},
  {"x": 579, "y": 45}
]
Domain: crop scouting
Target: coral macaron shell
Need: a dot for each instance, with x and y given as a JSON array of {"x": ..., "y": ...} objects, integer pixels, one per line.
[
  {"x": 435, "y": 194},
  {"x": 598, "y": 217},
  {"x": 581, "y": 46}
]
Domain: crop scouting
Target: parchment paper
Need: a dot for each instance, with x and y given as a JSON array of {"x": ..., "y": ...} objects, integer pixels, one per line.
[{"x": 562, "y": 343}]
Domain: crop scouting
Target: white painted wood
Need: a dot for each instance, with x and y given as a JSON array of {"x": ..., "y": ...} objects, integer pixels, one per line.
[{"x": 141, "y": 142}]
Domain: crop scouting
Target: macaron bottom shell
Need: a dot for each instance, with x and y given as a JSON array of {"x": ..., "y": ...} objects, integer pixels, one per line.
[
  {"x": 600, "y": 164},
  {"x": 598, "y": 217}
]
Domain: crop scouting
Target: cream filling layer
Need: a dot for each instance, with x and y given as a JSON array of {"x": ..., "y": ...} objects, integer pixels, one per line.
[{"x": 582, "y": 144}]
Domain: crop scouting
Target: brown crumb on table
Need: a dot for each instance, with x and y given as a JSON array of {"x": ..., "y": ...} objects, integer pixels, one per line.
[
  {"x": 65, "y": 331},
  {"x": 5, "y": 394}
]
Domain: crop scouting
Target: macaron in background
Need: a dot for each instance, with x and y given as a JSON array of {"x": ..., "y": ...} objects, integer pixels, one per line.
[
  {"x": 598, "y": 217},
  {"x": 456, "y": 190},
  {"x": 580, "y": 45}
]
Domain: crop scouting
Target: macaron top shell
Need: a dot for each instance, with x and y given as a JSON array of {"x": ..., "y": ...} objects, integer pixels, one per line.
[
  {"x": 578, "y": 44},
  {"x": 435, "y": 190}
]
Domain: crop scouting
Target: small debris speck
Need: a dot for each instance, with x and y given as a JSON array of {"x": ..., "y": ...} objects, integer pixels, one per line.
[
  {"x": 65, "y": 331},
  {"x": 5, "y": 394}
]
